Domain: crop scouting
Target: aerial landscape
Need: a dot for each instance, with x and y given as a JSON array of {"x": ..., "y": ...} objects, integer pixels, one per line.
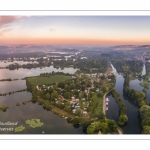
[{"x": 74, "y": 75}]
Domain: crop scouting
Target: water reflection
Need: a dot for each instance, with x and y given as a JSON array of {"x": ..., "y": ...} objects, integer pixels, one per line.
[
  {"x": 21, "y": 73},
  {"x": 6, "y": 63},
  {"x": 10, "y": 86},
  {"x": 113, "y": 108}
]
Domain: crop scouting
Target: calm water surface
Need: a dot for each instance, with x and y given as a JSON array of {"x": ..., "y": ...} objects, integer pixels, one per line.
[
  {"x": 21, "y": 73},
  {"x": 53, "y": 124},
  {"x": 133, "y": 124}
]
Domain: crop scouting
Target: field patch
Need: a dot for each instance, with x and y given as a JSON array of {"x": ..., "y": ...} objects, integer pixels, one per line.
[{"x": 48, "y": 80}]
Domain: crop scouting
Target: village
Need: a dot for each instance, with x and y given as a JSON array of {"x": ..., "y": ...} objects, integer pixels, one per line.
[{"x": 76, "y": 94}]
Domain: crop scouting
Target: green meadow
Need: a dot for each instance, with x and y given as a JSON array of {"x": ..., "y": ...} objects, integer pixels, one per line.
[{"x": 47, "y": 80}]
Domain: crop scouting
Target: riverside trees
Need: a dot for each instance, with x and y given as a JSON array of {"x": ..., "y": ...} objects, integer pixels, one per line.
[
  {"x": 144, "y": 109},
  {"x": 128, "y": 66},
  {"x": 134, "y": 94},
  {"x": 107, "y": 126},
  {"x": 123, "y": 117}
]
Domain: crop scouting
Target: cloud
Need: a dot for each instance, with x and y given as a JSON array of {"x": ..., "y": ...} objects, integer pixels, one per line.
[
  {"x": 52, "y": 29},
  {"x": 4, "y": 31},
  {"x": 6, "y": 20}
]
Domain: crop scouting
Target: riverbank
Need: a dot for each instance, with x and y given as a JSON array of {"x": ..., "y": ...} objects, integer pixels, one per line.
[{"x": 104, "y": 110}]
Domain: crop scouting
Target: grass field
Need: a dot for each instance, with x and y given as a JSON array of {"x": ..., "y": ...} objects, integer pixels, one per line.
[{"x": 48, "y": 80}]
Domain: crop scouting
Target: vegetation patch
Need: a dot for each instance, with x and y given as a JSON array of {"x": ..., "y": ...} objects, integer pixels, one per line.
[
  {"x": 107, "y": 126},
  {"x": 145, "y": 83},
  {"x": 47, "y": 80},
  {"x": 19, "y": 128},
  {"x": 3, "y": 107},
  {"x": 122, "y": 118},
  {"x": 134, "y": 94},
  {"x": 33, "y": 123}
]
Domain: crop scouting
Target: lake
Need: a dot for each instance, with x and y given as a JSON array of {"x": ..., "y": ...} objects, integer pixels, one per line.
[{"x": 21, "y": 73}]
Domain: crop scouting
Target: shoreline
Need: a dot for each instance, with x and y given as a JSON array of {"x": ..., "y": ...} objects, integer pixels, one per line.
[
  {"x": 104, "y": 103},
  {"x": 104, "y": 109}
]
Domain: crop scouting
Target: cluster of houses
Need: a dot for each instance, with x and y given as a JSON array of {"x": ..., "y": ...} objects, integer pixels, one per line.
[
  {"x": 74, "y": 101},
  {"x": 75, "y": 104}
]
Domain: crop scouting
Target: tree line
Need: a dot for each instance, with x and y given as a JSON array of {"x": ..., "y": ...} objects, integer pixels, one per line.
[
  {"x": 140, "y": 97},
  {"x": 128, "y": 66},
  {"x": 122, "y": 117},
  {"x": 144, "y": 107},
  {"x": 9, "y": 93}
]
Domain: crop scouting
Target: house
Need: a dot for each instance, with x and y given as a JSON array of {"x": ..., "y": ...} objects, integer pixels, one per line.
[
  {"x": 72, "y": 97},
  {"x": 85, "y": 109},
  {"x": 85, "y": 91},
  {"x": 97, "y": 90},
  {"x": 74, "y": 110},
  {"x": 77, "y": 106},
  {"x": 77, "y": 100},
  {"x": 84, "y": 112},
  {"x": 83, "y": 99}
]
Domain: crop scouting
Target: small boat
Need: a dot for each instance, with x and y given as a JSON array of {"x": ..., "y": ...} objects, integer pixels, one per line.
[
  {"x": 106, "y": 103},
  {"x": 106, "y": 108}
]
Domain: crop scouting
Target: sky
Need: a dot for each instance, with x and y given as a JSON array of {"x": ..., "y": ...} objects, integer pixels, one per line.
[{"x": 80, "y": 30}]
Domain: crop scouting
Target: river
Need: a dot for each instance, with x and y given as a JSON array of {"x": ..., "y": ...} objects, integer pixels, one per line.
[
  {"x": 53, "y": 124},
  {"x": 133, "y": 124}
]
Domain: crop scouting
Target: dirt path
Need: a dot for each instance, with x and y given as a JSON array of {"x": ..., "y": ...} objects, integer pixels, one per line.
[{"x": 119, "y": 131}]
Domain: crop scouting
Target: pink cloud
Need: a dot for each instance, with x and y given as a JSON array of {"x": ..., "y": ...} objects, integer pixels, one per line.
[
  {"x": 6, "y": 20},
  {"x": 4, "y": 31}
]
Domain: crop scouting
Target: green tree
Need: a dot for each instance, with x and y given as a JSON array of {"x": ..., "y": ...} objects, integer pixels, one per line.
[
  {"x": 146, "y": 130},
  {"x": 93, "y": 127},
  {"x": 75, "y": 121},
  {"x": 80, "y": 96},
  {"x": 78, "y": 112},
  {"x": 67, "y": 95},
  {"x": 122, "y": 119},
  {"x": 48, "y": 96},
  {"x": 146, "y": 121},
  {"x": 144, "y": 111},
  {"x": 55, "y": 94},
  {"x": 112, "y": 126}
]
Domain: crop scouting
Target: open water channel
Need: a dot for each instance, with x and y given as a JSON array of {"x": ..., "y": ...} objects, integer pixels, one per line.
[{"x": 133, "y": 124}]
